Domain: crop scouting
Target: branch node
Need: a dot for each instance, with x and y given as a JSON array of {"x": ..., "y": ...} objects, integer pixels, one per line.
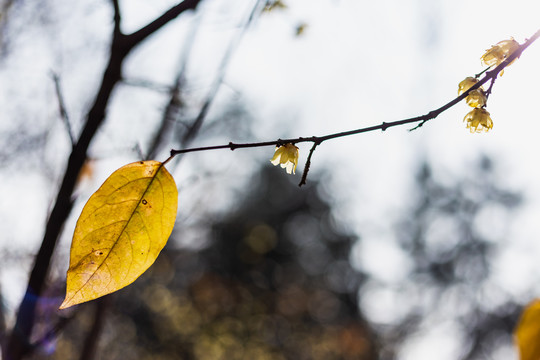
[
  {"x": 117, "y": 17},
  {"x": 488, "y": 91}
]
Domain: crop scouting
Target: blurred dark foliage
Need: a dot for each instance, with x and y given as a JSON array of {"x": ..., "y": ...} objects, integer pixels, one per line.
[
  {"x": 452, "y": 234},
  {"x": 274, "y": 282}
]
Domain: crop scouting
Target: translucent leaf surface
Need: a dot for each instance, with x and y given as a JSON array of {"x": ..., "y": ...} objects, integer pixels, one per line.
[
  {"x": 528, "y": 332},
  {"x": 121, "y": 230}
]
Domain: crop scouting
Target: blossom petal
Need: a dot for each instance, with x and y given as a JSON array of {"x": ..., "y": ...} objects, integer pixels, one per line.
[
  {"x": 287, "y": 157},
  {"x": 466, "y": 84},
  {"x": 478, "y": 120},
  {"x": 476, "y": 98},
  {"x": 277, "y": 155}
]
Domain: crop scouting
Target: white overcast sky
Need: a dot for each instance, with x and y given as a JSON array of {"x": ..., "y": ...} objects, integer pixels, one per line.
[{"x": 357, "y": 64}]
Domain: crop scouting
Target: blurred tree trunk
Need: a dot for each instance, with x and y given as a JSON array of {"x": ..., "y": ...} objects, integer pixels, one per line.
[
  {"x": 18, "y": 343},
  {"x": 90, "y": 344}
]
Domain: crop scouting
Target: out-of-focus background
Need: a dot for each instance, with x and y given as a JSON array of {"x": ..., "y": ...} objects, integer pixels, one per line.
[{"x": 403, "y": 245}]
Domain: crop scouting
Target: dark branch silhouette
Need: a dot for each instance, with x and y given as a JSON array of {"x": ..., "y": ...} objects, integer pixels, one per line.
[
  {"x": 90, "y": 343},
  {"x": 196, "y": 125},
  {"x": 62, "y": 107},
  {"x": 489, "y": 75},
  {"x": 18, "y": 341},
  {"x": 138, "y": 36},
  {"x": 175, "y": 103}
]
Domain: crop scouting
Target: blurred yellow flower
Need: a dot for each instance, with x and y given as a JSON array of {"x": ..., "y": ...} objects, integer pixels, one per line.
[
  {"x": 493, "y": 56},
  {"x": 478, "y": 120},
  {"x": 499, "y": 52},
  {"x": 278, "y": 4},
  {"x": 287, "y": 156},
  {"x": 476, "y": 98},
  {"x": 467, "y": 84}
]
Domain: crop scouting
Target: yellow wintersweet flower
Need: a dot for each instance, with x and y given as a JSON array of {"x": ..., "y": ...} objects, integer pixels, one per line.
[
  {"x": 478, "y": 120},
  {"x": 476, "y": 98},
  {"x": 467, "y": 84},
  {"x": 287, "y": 156},
  {"x": 493, "y": 56},
  {"x": 499, "y": 52}
]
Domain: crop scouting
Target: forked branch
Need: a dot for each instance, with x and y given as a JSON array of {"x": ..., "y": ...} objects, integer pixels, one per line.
[
  {"x": 421, "y": 120},
  {"x": 18, "y": 343}
]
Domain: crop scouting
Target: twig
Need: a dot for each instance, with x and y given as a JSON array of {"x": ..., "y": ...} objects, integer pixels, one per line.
[
  {"x": 91, "y": 341},
  {"x": 62, "y": 108},
  {"x": 138, "y": 36},
  {"x": 308, "y": 164},
  {"x": 489, "y": 75},
  {"x": 195, "y": 127},
  {"x": 482, "y": 72},
  {"x": 117, "y": 17},
  {"x": 147, "y": 84},
  {"x": 419, "y": 125},
  {"x": 138, "y": 150},
  {"x": 54, "y": 331},
  {"x": 175, "y": 103}
]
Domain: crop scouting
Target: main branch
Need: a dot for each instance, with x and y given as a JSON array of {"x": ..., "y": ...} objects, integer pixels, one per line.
[{"x": 421, "y": 120}]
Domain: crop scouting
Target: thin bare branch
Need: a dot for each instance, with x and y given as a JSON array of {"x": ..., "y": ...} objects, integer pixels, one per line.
[
  {"x": 308, "y": 164},
  {"x": 316, "y": 140},
  {"x": 54, "y": 331},
  {"x": 233, "y": 45},
  {"x": 62, "y": 107},
  {"x": 138, "y": 150},
  {"x": 141, "y": 34},
  {"x": 117, "y": 16},
  {"x": 90, "y": 343},
  {"x": 175, "y": 103},
  {"x": 147, "y": 84}
]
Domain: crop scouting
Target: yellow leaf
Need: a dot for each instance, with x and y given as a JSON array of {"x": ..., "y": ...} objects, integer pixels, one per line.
[
  {"x": 527, "y": 332},
  {"x": 121, "y": 230}
]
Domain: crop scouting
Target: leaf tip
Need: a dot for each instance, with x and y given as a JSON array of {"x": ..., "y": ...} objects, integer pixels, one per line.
[
  {"x": 69, "y": 301},
  {"x": 65, "y": 304}
]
